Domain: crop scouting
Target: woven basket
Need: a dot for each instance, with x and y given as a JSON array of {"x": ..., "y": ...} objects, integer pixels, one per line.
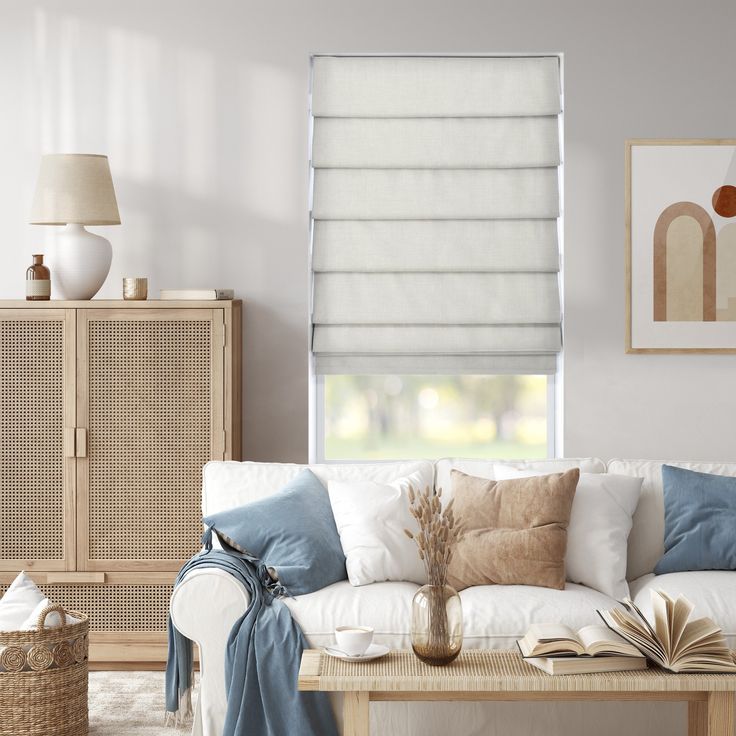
[{"x": 43, "y": 679}]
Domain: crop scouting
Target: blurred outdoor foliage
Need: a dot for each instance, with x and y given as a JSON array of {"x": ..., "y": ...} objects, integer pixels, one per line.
[{"x": 393, "y": 417}]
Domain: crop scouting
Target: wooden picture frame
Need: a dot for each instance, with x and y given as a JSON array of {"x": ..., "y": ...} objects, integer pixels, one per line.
[{"x": 680, "y": 199}]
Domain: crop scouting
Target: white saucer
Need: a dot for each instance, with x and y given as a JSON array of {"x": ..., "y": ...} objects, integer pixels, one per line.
[{"x": 374, "y": 651}]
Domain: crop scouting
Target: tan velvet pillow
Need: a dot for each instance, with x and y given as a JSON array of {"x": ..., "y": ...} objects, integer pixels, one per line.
[{"x": 516, "y": 530}]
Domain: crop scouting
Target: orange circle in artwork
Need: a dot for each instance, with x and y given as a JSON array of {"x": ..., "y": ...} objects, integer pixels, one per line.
[{"x": 724, "y": 201}]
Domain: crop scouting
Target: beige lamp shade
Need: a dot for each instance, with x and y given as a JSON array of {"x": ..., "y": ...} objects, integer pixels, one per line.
[{"x": 74, "y": 188}]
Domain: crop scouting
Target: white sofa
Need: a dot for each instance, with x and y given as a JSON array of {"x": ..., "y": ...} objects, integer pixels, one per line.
[{"x": 206, "y": 604}]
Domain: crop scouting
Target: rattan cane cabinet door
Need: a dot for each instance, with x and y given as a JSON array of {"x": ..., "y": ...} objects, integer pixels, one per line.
[
  {"x": 150, "y": 410},
  {"x": 36, "y": 417}
]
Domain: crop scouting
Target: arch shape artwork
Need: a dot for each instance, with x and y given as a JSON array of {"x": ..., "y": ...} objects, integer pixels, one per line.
[{"x": 674, "y": 228}]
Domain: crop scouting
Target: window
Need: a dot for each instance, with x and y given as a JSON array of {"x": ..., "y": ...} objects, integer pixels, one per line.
[
  {"x": 435, "y": 255},
  {"x": 399, "y": 416}
]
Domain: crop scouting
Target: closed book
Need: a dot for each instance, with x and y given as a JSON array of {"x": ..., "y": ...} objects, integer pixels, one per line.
[
  {"x": 198, "y": 294},
  {"x": 585, "y": 664}
]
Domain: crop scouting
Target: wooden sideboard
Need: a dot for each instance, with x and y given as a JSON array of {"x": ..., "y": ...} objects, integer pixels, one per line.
[{"x": 108, "y": 411}]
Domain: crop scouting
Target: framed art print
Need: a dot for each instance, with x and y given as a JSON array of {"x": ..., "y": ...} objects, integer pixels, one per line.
[{"x": 681, "y": 246}]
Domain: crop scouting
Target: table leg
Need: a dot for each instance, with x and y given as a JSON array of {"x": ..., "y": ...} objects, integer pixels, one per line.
[
  {"x": 697, "y": 718},
  {"x": 711, "y": 717},
  {"x": 355, "y": 714}
]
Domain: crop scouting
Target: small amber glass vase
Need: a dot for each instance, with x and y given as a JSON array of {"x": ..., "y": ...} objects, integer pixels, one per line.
[
  {"x": 436, "y": 624},
  {"x": 38, "y": 281}
]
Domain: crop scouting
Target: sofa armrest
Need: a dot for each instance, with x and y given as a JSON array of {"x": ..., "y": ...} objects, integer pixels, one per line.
[{"x": 204, "y": 607}]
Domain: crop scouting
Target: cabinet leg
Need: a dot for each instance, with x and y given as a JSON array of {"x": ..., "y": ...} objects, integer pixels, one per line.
[{"x": 355, "y": 714}]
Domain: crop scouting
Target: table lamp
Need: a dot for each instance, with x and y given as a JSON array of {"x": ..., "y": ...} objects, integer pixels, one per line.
[{"x": 75, "y": 189}]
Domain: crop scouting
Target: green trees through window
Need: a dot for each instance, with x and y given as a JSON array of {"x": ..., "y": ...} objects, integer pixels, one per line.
[{"x": 394, "y": 417}]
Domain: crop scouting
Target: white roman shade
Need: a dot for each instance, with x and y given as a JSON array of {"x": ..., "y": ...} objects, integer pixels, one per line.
[{"x": 434, "y": 214}]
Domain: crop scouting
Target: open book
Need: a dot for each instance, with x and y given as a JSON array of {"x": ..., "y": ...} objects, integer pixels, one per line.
[
  {"x": 559, "y": 640},
  {"x": 672, "y": 640}
]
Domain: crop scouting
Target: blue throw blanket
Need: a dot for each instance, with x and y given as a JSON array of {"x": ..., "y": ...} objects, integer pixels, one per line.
[{"x": 264, "y": 651}]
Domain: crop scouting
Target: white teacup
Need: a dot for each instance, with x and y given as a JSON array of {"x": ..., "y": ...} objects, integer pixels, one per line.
[{"x": 353, "y": 640}]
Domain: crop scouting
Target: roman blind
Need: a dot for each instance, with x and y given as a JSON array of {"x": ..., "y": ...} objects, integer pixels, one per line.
[{"x": 434, "y": 214}]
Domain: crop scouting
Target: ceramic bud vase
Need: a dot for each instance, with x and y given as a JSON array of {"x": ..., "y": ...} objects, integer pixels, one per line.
[{"x": 437, "y": 624}]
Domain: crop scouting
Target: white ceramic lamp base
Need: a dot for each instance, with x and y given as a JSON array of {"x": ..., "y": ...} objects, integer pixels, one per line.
[{"x": 79, "y": 264}]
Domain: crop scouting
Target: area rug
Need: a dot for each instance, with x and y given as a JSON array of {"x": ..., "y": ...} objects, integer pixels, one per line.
[{"x": 128, "y": 704}]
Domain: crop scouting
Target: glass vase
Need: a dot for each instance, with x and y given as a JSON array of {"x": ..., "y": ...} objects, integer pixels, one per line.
[{"x": 436, "y": 624}]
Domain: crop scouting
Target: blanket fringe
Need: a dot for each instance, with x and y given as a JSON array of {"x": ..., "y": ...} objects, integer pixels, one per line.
[{"x": 184, "y": 714}]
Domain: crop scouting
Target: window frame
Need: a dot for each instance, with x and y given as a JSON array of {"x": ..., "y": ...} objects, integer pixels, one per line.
[{"x": 316, "y": 383}]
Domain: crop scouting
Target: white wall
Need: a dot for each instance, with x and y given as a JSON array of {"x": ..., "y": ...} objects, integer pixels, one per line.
[{"x": 202, "y": 108}]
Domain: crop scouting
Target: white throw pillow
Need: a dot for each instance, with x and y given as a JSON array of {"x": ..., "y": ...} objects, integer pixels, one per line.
[
  {"x": 53, "y": 619},
  {"x": 18, "y": 603},
  {"x": 371, "y": 518},
  {"x": 598, "y": 533}
]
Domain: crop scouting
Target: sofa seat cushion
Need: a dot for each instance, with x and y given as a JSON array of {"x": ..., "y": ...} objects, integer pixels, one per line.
[
  {"x": 385, "y": 607},
  {"x": 494, "y": 616},
  {"x": 712, "y": 591}
]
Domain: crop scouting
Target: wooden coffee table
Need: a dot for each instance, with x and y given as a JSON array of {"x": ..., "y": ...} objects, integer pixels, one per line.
[{"x": 494, "y": 675}]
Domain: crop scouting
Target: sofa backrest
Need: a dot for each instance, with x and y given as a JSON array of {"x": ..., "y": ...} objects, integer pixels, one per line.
[
  {"x": 229, "y": 484},
  {"x": 484, "y": 468},
  {"x": 646, "y": 541}
]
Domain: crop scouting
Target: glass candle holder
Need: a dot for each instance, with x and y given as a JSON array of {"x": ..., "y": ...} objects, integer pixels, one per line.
[{"x": 135, "y": 288}]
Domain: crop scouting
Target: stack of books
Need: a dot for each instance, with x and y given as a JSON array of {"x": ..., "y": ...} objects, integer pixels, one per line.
[
  {"x": 628, "y": 639},
  {"x": 197, "y": 294},
  {"x": 559, "y": 650}
]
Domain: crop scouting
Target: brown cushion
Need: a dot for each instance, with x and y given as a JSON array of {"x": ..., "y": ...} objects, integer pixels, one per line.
[{"x": 516, "y": 530}]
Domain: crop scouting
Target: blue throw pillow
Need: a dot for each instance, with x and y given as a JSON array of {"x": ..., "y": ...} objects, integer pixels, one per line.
[
  {"x": 292, "y": 532},
  {"x": 699, "y": 521}
]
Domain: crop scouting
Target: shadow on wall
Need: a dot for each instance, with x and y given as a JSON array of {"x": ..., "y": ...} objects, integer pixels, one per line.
[{"x": 208, "y": 154}]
